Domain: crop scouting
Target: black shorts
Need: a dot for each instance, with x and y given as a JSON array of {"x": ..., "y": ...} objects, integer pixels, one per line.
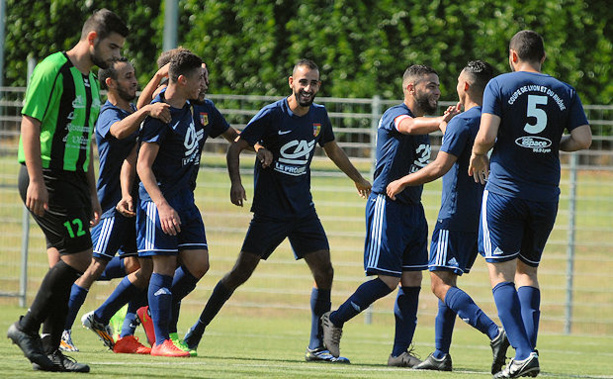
[{"x": 66, "y": 222}]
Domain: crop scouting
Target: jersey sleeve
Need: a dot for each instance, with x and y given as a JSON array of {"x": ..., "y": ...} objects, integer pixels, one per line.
[
  {"x": 153, "y": 130},
  {"x": 492, "y": 99},
  {"x": 218, "y": 122},
  {"x": 327, "y": 134},
  {"x": 577, "y": 113},
  {"x": 456, "y": 136},
  {"x": 107, "y": 118},
  {"x": 257, "y": 127},
  {"x": 40, "y": 88}
]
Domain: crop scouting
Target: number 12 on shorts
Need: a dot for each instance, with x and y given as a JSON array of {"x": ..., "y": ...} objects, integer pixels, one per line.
[{"x": 79, "y": 228}]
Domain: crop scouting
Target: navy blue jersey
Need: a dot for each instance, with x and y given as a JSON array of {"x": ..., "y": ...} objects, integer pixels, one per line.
[
  {"x": 180, "y": 141},
  {"x": 112, "y": 152},
  {"x": 284, "y": 189},
  {"x": 461, "y": 199},
  {"x": 534, "y": 109},
  {"x": 399, "y": 154}
]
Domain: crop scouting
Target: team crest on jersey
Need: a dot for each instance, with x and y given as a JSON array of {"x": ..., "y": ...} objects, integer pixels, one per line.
[
  {"x": 316, "y": 129},
  {"x": 204, "y": 118}
]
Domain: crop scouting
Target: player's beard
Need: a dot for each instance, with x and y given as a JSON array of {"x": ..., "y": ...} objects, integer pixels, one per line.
[
  {"x": 423, "y": 102},
  {"x": 303, "y": 103},
  {"x": 125, "y": 95},
  {"x": 97, "y": 59}
]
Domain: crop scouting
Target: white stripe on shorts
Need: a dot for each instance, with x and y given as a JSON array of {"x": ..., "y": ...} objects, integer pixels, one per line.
[
  {"x": 376, "y": 231},
  {"x": 150, "y": 226},
  {"x": 487, "y": 244},
  {"x": 103, "y": 238},
  {"x": 441, "y": 249}
]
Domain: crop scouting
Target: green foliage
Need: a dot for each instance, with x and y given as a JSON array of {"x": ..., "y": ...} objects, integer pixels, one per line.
[{"x": 361, "y": 47}]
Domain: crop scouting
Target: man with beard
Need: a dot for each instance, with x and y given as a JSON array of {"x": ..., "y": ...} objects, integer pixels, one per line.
[
  {"x": 396, "y": 237},
  {"x": 454, "y": 241},
  {"x": 282, "y": 204},
  {"x": 116, "y": 132},
  {"x": 57, "y": 182}
]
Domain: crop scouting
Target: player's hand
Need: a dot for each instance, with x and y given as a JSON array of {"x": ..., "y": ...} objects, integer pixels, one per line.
[
  {"x": 161, "y": 111},
  {"x": 126, "y": 207},
  {"x": 37, "y": 198},
  {"x": 162, "y": 72},
  {"x": 363, "y": 186},
  {"x": 169, "y": 219},
  {"x": 394, "y": 188},
  {"x": 238, "y": 194},
  {"x": 265, "y": 157},
  {"x": 452, "y": 111},
  {"x": 479, "y": 167},
  {"x": 96, "y": 211}
]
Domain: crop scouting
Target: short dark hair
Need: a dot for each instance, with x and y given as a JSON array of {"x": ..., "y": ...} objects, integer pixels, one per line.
[
  {"x": 109, "y": 72},
  {"x": 167, "y": 55},
  {"x": 415, "y": 72},
  {"x": 183, "y": 63},
  {"x": 306, "y": 62},
  {"x": 529, "y": 46},
  {"x": 480, "y": 73},
  {"x": 104, "y": 22}
]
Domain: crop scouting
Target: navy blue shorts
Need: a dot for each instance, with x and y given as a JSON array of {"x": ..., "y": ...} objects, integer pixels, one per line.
[
  {"x": 514, "y": 228},
  {"x": 151, "y": 240},
  {"x": 305, "y": 234},
  {"x": 396, "y": 237},
  {"x": 452, "y": 250},
  {"x": 112, "y": 234}
]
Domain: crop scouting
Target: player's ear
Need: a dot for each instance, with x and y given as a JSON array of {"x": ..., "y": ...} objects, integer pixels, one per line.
[
  {"x": 91, "y": 37},
  {"x": 290, "y": 81},
  {"x": 108, "y": 82},
  {"x": 182, "y": 80}
]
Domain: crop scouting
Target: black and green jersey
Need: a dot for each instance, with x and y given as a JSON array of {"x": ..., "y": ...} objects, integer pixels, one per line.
[{"x": 67, "y": 104}]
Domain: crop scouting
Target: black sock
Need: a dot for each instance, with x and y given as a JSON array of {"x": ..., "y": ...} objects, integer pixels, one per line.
[{"x": 53, "y": 294}]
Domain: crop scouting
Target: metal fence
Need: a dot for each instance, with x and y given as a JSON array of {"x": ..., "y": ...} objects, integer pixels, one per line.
[{"x": 577, "y": 264}]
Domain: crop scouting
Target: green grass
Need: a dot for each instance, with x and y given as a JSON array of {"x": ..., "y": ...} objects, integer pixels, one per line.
[{"x": 241, "y": 345}]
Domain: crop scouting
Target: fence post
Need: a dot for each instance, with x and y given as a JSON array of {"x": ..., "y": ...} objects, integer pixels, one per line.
[
  {"x": 375, "y": 115},
  {"x": 570, "y": 249},
  {"x": 25, "y": 227}
]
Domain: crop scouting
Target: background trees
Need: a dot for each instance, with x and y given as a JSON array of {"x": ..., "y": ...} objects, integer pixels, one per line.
[{"x": 362, "y": 47}]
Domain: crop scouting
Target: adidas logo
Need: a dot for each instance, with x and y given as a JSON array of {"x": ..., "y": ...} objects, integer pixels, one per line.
[
  {"x": 497, "y": 251},
  {"x": 356, "y": 307},
  {"x": 162, "y": 291},
  {"x": 453, "y": 262}
]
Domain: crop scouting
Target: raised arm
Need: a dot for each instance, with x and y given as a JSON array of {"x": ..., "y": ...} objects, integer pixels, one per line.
[
  {"x": 169, "y": 218},
  {"x": 434, "y": 170},
  {"x": 146, "y": 94},
  {"x": 340, "y": 159},
  {"x": 425, "y": 125},
  {"x": 237, "y": 191},
  {"x": 128, "y": 125}
]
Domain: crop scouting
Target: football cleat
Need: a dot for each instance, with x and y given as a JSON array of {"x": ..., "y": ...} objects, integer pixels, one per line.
[
  {"x": 499, "y": 346},
  {"x": 406, "y": 359},
  {"x": 31, "y": 346},
  {"x": 432, "y": 363},
  {"x": 331, "y": 335},
  {"x": 116, "y": 322},
  {"x": 145, "y": 319},
  {"x": 174, "y": 337},
  {"x": 66, "y": 343},
  {"x": 130, "y": 345},
  {"x": 168, "y": 349},
  {"x": 323, "y": 355},
  {"x": 102, "y": 331},
  {"x": 526, "y": 367},
  {"x": 62, "y": 363}
]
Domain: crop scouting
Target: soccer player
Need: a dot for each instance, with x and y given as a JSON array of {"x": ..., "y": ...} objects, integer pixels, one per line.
[
  {"x": 524, "y": 115},
  {"x": 396, "y": 230},
  {"x": 454, "y": 241},
  {"x": 57, "y": 182},
  {"x": 282, "y": 204},
  {"x": 116, "y": 132}
]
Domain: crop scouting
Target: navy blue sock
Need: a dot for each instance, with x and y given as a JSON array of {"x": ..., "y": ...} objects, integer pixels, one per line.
[
  {"x": 123, "y": 293},
  {"x": 366, "y": 294},
  {"x": 114, "y": 269},
  {"x": 405, "y": 313},
  {"x": 77, "y": 298},
  {"x": 320, "y": 304},
  {"x": 183, "y": 283},
  {"x": 160, "y": 304},
  {"x": 465, "y": 307},
  {"x": 129, "y": 323},
  {"x": 509, "y": 312},
  {"x": 443, "y": 330},
  {"x": 218, "y": 298},
  {"x": 530, "y": 300}
]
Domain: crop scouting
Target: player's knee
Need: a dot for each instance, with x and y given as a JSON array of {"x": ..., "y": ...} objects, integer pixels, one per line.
[{"x": 131, "y": 264}]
